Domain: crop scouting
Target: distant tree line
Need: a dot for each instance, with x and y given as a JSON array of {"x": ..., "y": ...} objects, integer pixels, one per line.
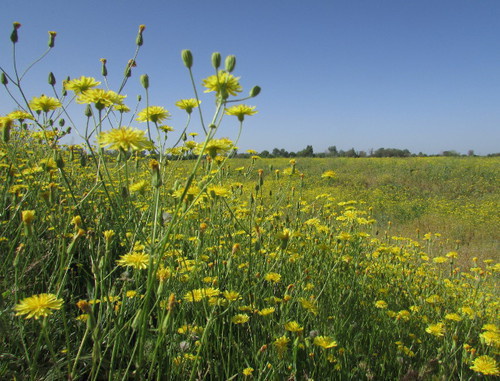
[{"x": 332, "y": 151}]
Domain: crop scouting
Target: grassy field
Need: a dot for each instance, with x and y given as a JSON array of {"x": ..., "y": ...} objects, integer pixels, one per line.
[{"x": 455, "y": 197}]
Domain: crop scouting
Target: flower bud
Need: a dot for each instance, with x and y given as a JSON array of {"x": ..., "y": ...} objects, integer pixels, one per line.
[
  {"x": 52, "y": 38},
  {"x": 13, "y": 35},
  {"x": 128, "y": 69},
  {"x": 145, "y": 81},
  {"x": 139, "y": 40},
  {"x": 52, "y": 79},
  {"x": 255, "y": 91},
  {"x": 62, "y": 122},
  {"x": 230, "y": 63},
  {"x": 104, "y": 69},
  {"x": 187, "y": 58},
  {"x": 88, "y": 111},
  {"x": 3, "y": 79},
  {"x": 216, "y": 58}
]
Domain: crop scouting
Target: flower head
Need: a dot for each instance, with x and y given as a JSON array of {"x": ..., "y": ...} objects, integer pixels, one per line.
[
  {"x": 20, "y": 115},
  {"x": 240, "y": 319},
  {"x": 100, "y": 98},
  {"x": 293, "y": 326},
  {"x": 240, "y": 111},
  {"x": 328, "y": 174},
  {"x": 44, "y": 103},
  {"x": 79, "y": 85},
  {"x": 324, "y": 342},
  {"x": 222, "y": 83},
  {"x": 125, "y": 138},
  {"x": 485, "y": 365},
  {"x": 138, "y": 261},
  {"x": 215, "y": 147},
  {"x": 38, "y": 306},
  {"x": 436, "y": 329},
  {"x": 155, "y": 114},
  {"x": 188, "y": 104}
]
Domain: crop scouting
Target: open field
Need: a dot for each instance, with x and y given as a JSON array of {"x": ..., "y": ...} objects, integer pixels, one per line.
[{"x": 458, "y": 198}]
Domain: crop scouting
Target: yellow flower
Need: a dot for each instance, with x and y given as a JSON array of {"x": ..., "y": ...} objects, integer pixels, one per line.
[
  {"x": 38, "y": 305},
  {"x": 248, "y": 371},
  {"x": 272, "y": 277},
  {"x": 328, "y": 175},
  {"x": 240, "y": 319},
  {"x": 28, "y": 216},
  {"x": 188, "y": 104},
  {"x": 121, "y": 108},
  {"x": 193, "y": 296},
  {"x": 44, "y": 103},
  {"x": 381, "y": 304},
  {"x": 125, "y": 138},
  {"x": 293, "y": 326},
  {"x": 108, "y": 234},
  {"x": 491, "y": 338},
  {"x": 100, "y": 98},
  {"x": 231, "y": 295},
  {"x": 138, "y": 261},
  {"x": 434, "y": 299},
  {"x": 155, "y": 114},
  {"x": 215, "y": 147},
  {"x": 217, "y": 191},
  {"x": 436, "y": 329},
  {"x": 440, "y": 260},
  {"x": 79, "y": 85},
  {"x": 324, "y": 342},
  {"x": 453, "y": 316},
  {"x": 222, "y": 83},
  {"x": 240, "y": 111},
  {"x": 139, "y": 187},
  {"x": 485, "y": 365},
  {"x": 266, "y": 311},
  {"x": 20, "y": 115},
  {"x": 281, "y": 343}
]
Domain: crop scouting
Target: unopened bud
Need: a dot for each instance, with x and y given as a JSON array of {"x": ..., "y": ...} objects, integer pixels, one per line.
[
  {"x": 145, "y": 81},
  {"x": 187, "y": 58},
  {"x": 88, "y": 111},
  {"x": 230, "y": 63},
  {"x": 3, "y": 79},
  {"x": 52, "y": 79},
  {"x": 104, "y": 69},
  {"x": 13, "y": 35},
  {"x": 216, "y": 58},
  {"x": 255, "y": 91},
  {"x": 52, "y": 38},
  {"x": 61, "y": 122},
  {"x": 139, "y": 40}
]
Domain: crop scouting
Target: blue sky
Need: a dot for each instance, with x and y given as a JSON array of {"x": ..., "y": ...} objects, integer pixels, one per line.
[{"x": 422, "y": 75}]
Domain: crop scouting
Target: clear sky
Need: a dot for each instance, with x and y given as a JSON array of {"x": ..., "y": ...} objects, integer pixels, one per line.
[{"x": 417, "y": 74}]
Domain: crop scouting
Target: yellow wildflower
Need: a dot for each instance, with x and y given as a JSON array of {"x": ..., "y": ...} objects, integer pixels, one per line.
[
  {"x": 125, "y": 138},
  {"x": 155, "y": 114},
  {"x": 324, "y": 342},
  {"x": 222, "y": 83},
  {"x": 485, "y": 365},
  {"x": 240, "y": 319},
  {"x": 188, "y": 104},
  {"x": 37, "y": 306},
  {"x": 293, "y": 326},
  {"x": 79, "y": 85},
  {"x": 240, "y": 111},
  {"x": 138, "y": 261},
  {"x": 44, "y": 103}
]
